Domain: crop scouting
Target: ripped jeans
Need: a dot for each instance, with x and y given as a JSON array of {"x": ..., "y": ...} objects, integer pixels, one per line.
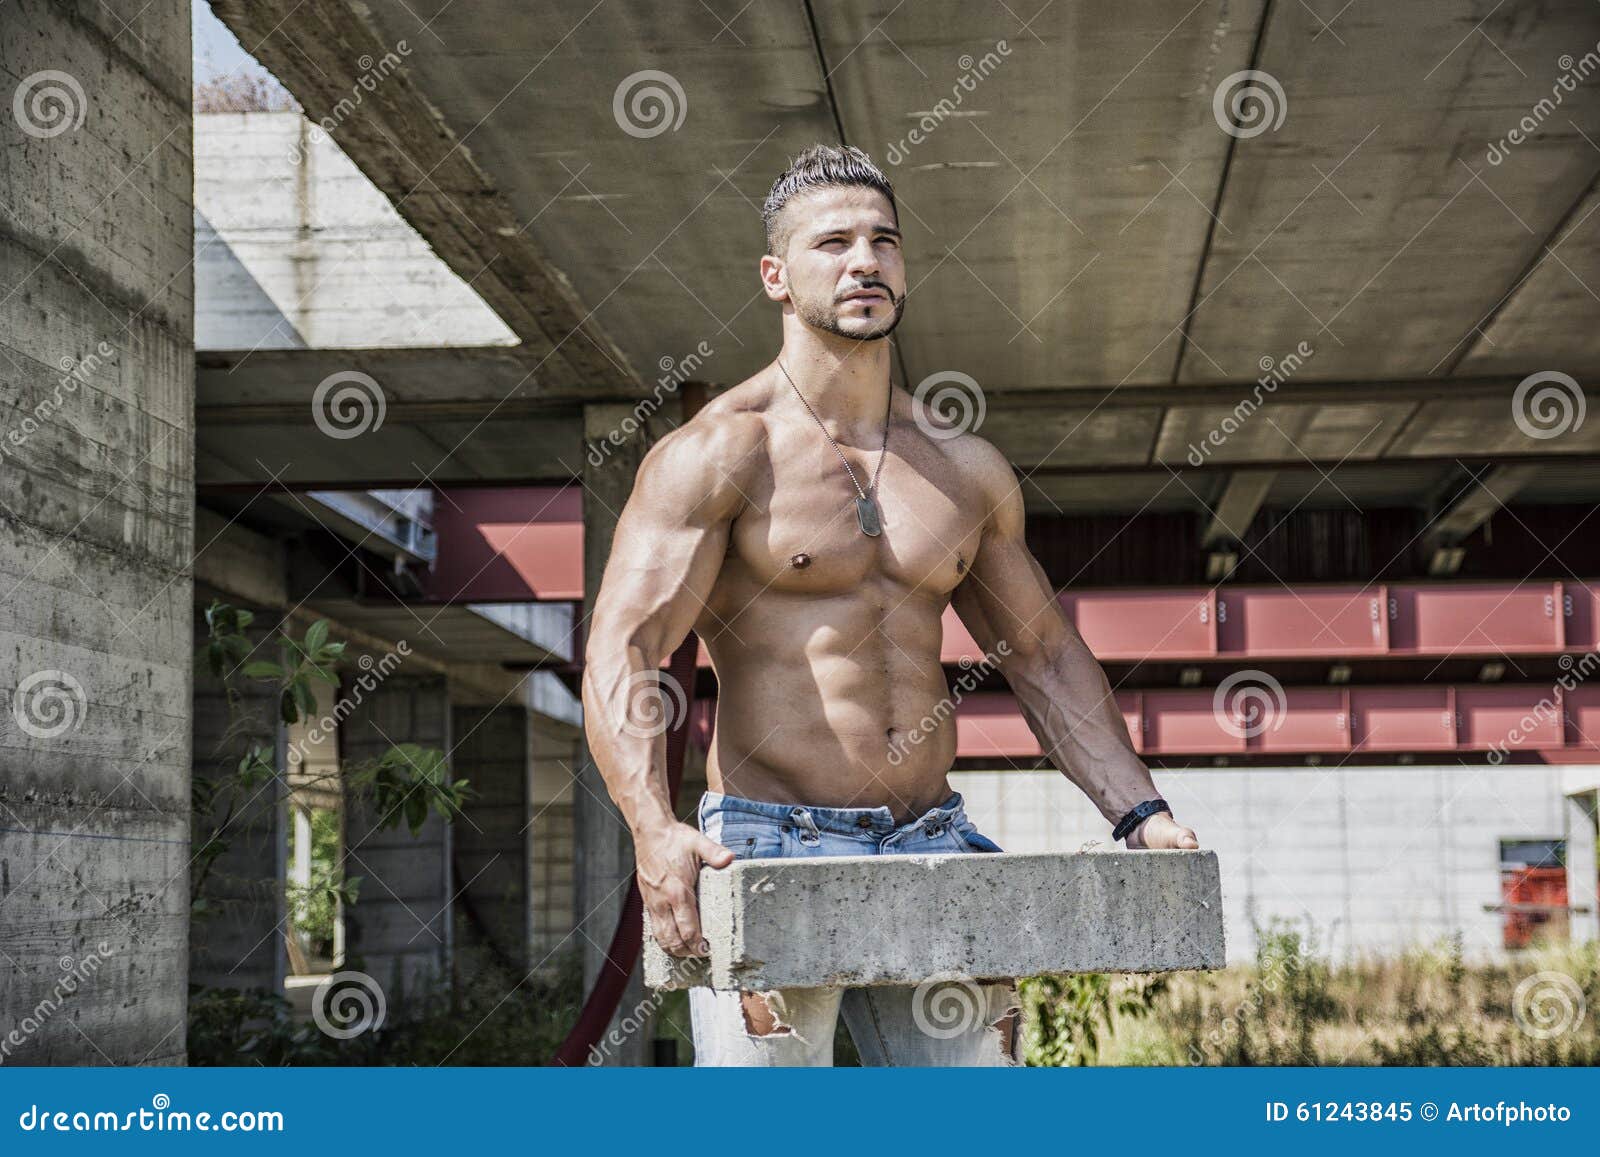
[{"x": 942, "y": 1023}]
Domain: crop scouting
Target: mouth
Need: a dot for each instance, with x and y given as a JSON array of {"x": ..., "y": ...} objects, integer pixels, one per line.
[{"x": 875, "y": 295}]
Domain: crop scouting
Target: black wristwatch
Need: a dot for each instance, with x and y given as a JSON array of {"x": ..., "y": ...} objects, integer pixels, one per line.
[{"x": 1137, "y": 815}]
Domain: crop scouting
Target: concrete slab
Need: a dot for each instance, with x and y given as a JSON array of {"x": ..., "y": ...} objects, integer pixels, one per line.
[{"x": 866, "y": 920}]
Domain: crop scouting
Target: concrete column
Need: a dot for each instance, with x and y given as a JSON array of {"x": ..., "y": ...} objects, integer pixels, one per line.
[
  {"x": 492, "y": 836},
  {"x": 557, "y": 749},
  {"x": 236, "y": 936},
  {"x": 398, "y": 930},
  {"x": 1583, "y": 875},
  {"x": 615, "y": 441},
  {"x": 96, "y": 531}
]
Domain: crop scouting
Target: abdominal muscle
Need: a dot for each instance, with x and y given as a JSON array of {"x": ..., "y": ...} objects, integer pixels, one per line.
[{"x": 825, "y": 700}]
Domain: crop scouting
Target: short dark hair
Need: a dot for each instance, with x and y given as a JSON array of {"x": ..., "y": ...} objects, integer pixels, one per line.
[{"x": 821, "y": 167}]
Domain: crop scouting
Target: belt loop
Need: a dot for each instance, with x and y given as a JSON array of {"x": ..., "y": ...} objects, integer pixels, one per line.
[{"x": 804, "y": 819}]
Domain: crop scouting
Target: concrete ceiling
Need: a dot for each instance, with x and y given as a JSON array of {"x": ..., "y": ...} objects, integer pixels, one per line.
[{"x": 1111, "y": 263}]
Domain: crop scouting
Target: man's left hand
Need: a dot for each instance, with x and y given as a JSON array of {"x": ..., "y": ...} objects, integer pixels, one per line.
[{"x": 1161, "y": 831}]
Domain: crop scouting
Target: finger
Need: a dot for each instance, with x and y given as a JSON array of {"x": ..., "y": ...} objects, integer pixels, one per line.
[
  {"x": 686, "y": 913},
  {"x": 664, "y": 928},
  {"x": 714, "y": 853}
]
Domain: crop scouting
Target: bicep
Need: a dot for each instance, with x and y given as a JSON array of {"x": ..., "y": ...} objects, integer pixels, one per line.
[
  {"x": 668, "y": 548},
  {"x": 1006, "y": 597}
]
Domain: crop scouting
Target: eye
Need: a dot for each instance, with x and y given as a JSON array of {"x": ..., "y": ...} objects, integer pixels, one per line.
[{"x": 891, "y": 242}]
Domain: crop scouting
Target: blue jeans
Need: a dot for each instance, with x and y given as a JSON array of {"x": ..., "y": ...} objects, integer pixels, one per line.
[{"x": 942, "y": 1022}]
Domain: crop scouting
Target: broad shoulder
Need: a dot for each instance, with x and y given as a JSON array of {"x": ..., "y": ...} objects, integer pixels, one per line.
[
  {"x": 713, "y": 455},
  {"x": 978, "y": 463}
]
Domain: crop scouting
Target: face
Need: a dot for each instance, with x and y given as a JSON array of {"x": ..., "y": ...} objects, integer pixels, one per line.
[{"x": 842, "y": 268}]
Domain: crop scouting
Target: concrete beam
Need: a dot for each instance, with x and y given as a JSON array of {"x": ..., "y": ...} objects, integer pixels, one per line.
[
  {"x": 1470, "y": 509},
  {"x": 1236, "y": 509},
  {"x": 864, "y": 920}
]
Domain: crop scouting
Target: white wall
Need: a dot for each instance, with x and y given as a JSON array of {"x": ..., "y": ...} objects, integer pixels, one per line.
[
  {"x": 295, "y": 247},
  {"x": 1376, "y": 857}
]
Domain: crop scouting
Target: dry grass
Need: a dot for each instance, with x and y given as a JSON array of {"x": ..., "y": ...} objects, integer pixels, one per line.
[{"x": 1293, "y": 1007}]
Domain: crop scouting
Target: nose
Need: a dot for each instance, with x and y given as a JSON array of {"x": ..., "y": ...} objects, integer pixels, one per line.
[{"x": 863, "y": 259}]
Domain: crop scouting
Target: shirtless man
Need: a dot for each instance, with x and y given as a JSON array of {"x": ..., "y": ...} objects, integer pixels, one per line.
[{"x": 818, "y": 593}]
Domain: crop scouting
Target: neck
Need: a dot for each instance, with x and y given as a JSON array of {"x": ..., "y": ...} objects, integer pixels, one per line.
[{"x": 846, "y": 382}]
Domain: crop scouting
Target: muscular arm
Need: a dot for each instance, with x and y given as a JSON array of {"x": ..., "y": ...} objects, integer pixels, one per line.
[
  {"x": 669, "y": 546},
  {"x": 1059, "y": 685}
]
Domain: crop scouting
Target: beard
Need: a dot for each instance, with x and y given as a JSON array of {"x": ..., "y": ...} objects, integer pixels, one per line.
[{"x": 825, "y": 315}]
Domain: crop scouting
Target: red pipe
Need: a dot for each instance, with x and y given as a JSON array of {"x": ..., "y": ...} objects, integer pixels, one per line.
[{"x": 622, "y": 956}]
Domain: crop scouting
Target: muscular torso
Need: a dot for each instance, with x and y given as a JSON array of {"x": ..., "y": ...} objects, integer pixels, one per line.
[{"x": 825, "y": 640}]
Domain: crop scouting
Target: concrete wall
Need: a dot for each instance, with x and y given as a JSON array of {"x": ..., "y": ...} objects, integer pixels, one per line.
[
  {"x": 96, "y": 530},
  {"x": 491, "y": 838},
  {"x": 236, "y": 936},
  {"x": 557, "y": 750},
  {"x": 295, "y": 247},
  {"x": 398, "y": 931},
  {"x": 1376, "y": 858}
]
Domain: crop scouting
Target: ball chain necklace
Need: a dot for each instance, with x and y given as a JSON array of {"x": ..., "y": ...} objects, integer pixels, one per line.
[{"x": 867, "y": 513}]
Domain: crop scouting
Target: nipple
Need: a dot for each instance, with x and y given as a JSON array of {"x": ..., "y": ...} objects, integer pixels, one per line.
[
  {"x": 961, "y": 565},
  {"x": 800, "y": 561}
]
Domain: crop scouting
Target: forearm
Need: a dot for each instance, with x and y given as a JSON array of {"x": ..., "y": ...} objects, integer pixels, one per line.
[
  {"x": 1068, "y": 703},
  {"x": 631, "y": 756}
]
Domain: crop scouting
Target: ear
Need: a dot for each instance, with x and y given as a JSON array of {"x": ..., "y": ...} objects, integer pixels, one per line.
[{"x": 774, "y": 278}]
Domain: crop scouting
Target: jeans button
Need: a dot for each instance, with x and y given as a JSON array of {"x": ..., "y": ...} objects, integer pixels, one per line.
[{"x": 864, "y": 822}]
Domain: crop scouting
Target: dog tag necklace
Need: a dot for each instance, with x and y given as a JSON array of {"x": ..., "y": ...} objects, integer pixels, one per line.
[{"x": 867, "y": 513}]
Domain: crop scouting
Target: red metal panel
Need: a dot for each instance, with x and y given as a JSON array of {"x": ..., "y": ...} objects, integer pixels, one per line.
[
  {"x": 1187, "y": 722},
  {"x": 1455, "y": 618},
  {"x": 1583, "y": 716},
  {"x": 1581, "y": 606},
  {"x": 1401, "y": 719},
  {"x": 507, "y": 544},
  {"x": 1130, "y": 703},
  {"x": 1492, "y": 716},
  {"x": 1260, "y": 621},
  {"x": 1314, "y": 720},
  {"x": 988, "y": 724},
  {"x": 1137, "y": 625},
  {"x": 958, "y": 642}
]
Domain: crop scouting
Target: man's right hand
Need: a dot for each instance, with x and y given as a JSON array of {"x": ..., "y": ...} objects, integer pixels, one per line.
[{"x": 668, "y": 866}]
